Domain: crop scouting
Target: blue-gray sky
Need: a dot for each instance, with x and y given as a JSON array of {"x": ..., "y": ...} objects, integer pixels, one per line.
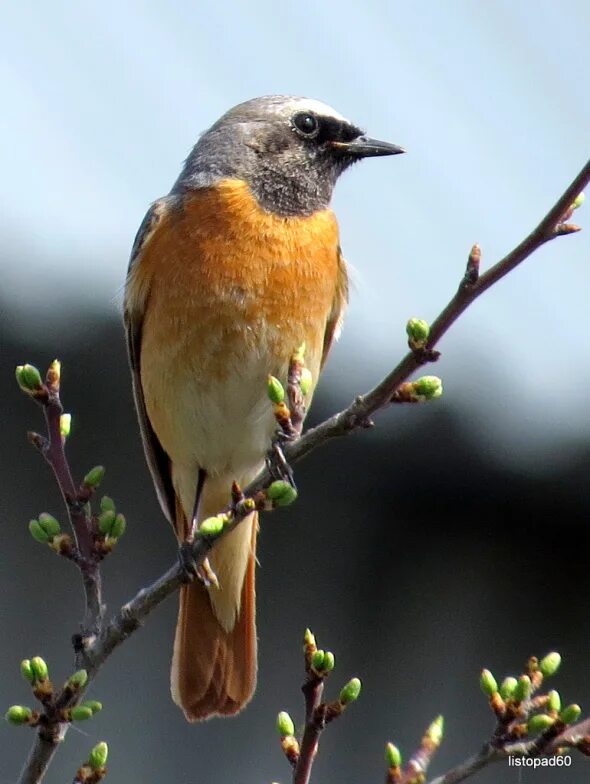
[{"x": 101, "y": 103}]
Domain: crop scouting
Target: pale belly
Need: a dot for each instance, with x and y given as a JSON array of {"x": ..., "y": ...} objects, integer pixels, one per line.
[{"x": 206, "y": 398}]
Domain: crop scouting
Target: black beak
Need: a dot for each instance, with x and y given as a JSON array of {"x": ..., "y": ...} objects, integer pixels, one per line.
[{"x": 365, "y": 147}]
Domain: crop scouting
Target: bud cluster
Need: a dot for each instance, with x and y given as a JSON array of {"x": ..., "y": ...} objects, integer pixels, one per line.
[
  {"x": 518, "y": 706},
  {"x": 111, "y": 524}
]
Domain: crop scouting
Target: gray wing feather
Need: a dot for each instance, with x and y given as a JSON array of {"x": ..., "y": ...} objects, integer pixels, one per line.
[{"x": 157, "y": 459}]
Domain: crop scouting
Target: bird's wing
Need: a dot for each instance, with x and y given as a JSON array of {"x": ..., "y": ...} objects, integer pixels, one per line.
[
  {"x": 334, "y": 323},
  {"x": 134, "y": 308}
]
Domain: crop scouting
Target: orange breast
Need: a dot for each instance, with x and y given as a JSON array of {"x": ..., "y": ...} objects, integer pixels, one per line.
[{"x": 230, "y": 292}]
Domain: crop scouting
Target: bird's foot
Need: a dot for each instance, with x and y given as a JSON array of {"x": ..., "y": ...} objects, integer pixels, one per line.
[
  {"x": 277, "y": 463},
  {"x": 191, "y": 569}
]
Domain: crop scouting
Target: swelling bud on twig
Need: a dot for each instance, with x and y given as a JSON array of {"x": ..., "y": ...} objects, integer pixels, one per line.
[
  {"x": 94, "y": 705},
  {"x": 523, "y": 688},
  {"x": 28, "y": 378},
  {"x": 27, "y": 671},
  {"x": 78, "y": 680},
  {"x": 539, "y": 723},
  {"x": 418, "y": 332},
  {"x": 98, "y": 756},
  {"x": 285, "y": 725},
  {"x": 322, "y": 662},
  {"x": 578, "y": 201},
  {"x": 37, "y": 532},
  {"x": 436, "y": 731},
  {"x": 107, "y": 504},
  {"x": 553, "y": 701},
  {"x": 329, "y": 662},
  {"x": 39, "y": 668},
  {"x": 309, "y": 639},
  {"x": 80, "y": 713},
  {"x": 428, "y": 387},
  {"x": 275, "y": 390},
  {"x": 18, "y": 714},
  {"x": 299, "y": 354},
  {"x": 118, "y": 527},
  {"x": 49, "y": 524},
  {"x": 105, "y": 521},
  {"x": 95, "y": 476},
  {"x": 65, "y": 425},
  {"x": 488, "y": 683},
  {"x": 550, "y": 664},
  {"x": 305, "y": 381},
  {"x": 393, "y": 757},
  {"x": 507, "y": 688},
  {"x": 212, "y": 526},
  {"x": 54, "y": 375},
  {"x": 570, "y": 714},
  {"x": 281, "y": 493},
  {"x": 350, "y": 692}
]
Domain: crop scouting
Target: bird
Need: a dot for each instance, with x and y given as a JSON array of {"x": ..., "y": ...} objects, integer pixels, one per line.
[{"x": 232, "y": 271}]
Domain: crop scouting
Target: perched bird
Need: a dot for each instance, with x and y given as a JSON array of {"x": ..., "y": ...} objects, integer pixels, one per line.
[{"x": 232, "y": 271}]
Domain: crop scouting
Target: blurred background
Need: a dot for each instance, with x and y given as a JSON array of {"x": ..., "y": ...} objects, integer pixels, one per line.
[{"x": 452, "y": 536}]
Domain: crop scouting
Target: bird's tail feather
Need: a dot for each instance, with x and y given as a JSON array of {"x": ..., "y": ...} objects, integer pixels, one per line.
[{"x": 214, "y": 661}]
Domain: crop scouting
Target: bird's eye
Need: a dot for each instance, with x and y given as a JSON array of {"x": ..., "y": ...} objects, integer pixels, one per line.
[{"x": 306, "y": 123}]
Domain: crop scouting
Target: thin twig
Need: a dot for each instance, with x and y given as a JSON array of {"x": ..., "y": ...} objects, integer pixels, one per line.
[
  {"x": 356, "y": 416},
  {"x": 312, "y": 689},
  {"x": 53, "y": 450}
]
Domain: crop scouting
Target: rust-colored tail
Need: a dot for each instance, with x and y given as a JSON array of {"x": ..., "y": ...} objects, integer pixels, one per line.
[{"x": 214, "y": 662}]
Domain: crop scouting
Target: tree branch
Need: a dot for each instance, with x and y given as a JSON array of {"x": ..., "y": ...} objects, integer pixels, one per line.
[{"x": 97, "y": 649}]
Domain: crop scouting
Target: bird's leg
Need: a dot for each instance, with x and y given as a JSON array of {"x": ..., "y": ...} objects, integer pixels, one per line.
[
  {"x": 276, "y": 462},
  {"x": 190, "y": 569}
]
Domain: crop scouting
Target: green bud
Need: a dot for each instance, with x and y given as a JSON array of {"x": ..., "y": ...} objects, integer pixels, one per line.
[
  {"x": 523, "y": 688},
  {"x": 95, "y": 476},
  {"x": 329, "y": 661},
  {"x": 212, "y": 526},
  {"x": 49, "y": 524},
  {"x": 570, "y": 714},
  {"x": 393, "y": 757},
  {"x": 309, "y": 639},
  {"x": 39, "y": 669},
  {"x": 299, "y": 354},
  {"x": 118, "y": 527},
  {"x": 317, "y": 660},
  {"x": 27, "y": 671},
  {"x": 550, "y": 664},
  {"x": 428, "y": 387},
  {"x": 488, "y": 683},
  {"x": 28, "y": 378},
  {"x": 94, "y": 705},
  {"x": 78, "y": 680},
  {"x": 539, "y": 723},
  {"x": 305, "y": 381},
  {"x": 107, "y": 504},
  {"x": 275, "y": 390},
  {"x": 507, "y": 688},
  {"x": 98, "y": 756},
  {"x": 65, "y": 425},
  {"x": 350, "y": 692},
  {"x": 37, "y": 532},
  {"x": 281, "y": 493},
  {"x": 80, "y": 713},
  {"x": 18, "y": 714},
  {"x": 436, "y": 731},
  {"x": 553, "y": 701},
  {"x": 417, "y": 331},
  {"x": 106, "y": 521},
  {"x": 578, "y": 201},
  {"x": 285, "y": 725}
]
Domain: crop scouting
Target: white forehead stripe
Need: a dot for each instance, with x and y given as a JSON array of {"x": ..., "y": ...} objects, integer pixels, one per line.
[{"x": 318, "y": 107}]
